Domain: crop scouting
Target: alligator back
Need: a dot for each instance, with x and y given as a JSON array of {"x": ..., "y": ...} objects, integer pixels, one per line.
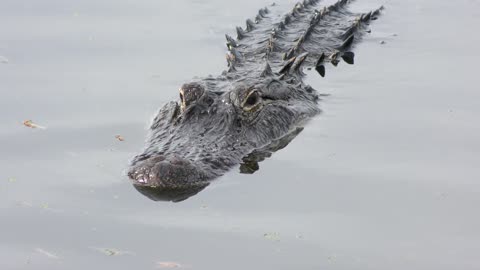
[{"x": 307, "y": 36}]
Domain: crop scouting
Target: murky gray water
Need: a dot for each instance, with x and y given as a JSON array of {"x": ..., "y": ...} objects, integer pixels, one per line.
[{"x": 387, "y": 178}]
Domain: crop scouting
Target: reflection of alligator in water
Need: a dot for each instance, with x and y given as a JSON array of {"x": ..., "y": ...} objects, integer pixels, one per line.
[{"x": 252, "y": 109}]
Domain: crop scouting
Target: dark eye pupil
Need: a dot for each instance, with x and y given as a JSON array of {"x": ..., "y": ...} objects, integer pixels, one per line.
[{"x": 251, "y": 100}]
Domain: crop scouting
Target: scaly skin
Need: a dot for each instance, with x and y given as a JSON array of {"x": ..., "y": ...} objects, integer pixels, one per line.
[{"x": 259, "y": 102}]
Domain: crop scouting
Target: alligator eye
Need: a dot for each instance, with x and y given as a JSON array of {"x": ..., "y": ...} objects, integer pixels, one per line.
[
  {"x": 251, "y": 101},
  {"x": 181, "y": 97}
]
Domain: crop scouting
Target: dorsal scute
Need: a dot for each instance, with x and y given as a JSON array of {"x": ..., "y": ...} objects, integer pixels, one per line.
[{"x": 269, "y": 39}]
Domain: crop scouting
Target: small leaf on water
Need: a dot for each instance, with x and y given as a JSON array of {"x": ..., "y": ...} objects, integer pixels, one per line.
[
  {"x": 273, "y": 236},
  {"x": 111, "y": 251},
  {"x": 120, "y": 138},
  {"x": 30, "y": 124},
  {"x": 3, "y": 60},
  {"x": 168, "y": 265},
  {"x": 299, "y": 236},
  {"x": 12, "y": 180},
  {"x": 24, "y": 204},
  {"x": 47, "y": 253}
]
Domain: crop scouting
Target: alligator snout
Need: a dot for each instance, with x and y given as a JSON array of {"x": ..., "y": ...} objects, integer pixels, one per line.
[{"x": 161, "y": 171}]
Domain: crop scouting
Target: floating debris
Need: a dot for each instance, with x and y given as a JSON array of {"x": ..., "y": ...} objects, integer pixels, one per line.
[
  {"x": 273, "y": 236},
  {"x": 24, "y": 204},
  {"x": 3, "y": 60},
  {"x": 112, "y": 251},
  {"x": 46, "y": 207},
  {"x": 47, "y": 253},
  {"x": 168, "y": 265},
  {"x": 120, "y": 138},
  {"x": 332, "y": 258},
  {"x": 30, "y": 124},
  {"x": 443, "y": 195}
]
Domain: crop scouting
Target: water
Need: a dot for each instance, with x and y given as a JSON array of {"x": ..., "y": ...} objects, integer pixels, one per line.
[{"x": 386, "y": 178}]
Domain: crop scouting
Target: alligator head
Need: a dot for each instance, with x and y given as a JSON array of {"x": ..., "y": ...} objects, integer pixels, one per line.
[{"x": 208, "y": 131}]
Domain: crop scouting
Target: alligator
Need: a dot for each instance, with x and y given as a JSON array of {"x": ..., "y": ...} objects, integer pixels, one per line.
[{"x": 254, "y": 107}]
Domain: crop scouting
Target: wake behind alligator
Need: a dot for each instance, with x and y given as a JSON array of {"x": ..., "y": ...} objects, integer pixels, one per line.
[{"x": 255, "y": 107}]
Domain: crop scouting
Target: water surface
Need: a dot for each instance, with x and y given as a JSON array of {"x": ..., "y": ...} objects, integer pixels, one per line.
[{"x": 386, "y": 178}]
